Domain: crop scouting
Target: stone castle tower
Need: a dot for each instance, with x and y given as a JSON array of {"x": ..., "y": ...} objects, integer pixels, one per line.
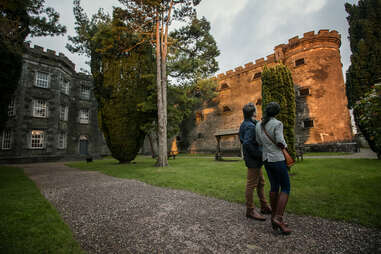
[{"x": 322, "y": 115}]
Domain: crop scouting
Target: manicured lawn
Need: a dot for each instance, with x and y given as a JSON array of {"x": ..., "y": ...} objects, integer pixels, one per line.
[
  {"x": 342, "y": 189},
  {"x": 326, "y": 154},
  {"x": 28, "y": 223}
]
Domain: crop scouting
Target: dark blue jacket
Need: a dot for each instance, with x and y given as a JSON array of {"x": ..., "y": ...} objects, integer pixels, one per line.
[{"x": 252, "y": 152}]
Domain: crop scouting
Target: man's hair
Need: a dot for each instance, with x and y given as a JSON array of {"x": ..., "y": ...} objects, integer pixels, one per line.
[
  {"x": 271, "y": 110},
  {"x": 248, "y": 110}
]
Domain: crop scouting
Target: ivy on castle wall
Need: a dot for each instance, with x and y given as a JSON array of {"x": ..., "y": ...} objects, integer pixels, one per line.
[
  {"x": 277, "y": 85},
  {"x": 367, "y": 112}
]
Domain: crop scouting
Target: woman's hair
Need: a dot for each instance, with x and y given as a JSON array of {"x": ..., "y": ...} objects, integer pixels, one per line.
[
  {"x": 248, "y": 110},
  {"x": 271, "y": 110}
]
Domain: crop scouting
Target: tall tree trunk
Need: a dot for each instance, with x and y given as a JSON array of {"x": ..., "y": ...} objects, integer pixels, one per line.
[
  {"x": 151, "y": 145},
  {"x": 162, "y": 159}
]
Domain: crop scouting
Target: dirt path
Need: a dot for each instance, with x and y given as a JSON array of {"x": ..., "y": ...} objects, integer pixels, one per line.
[{"x": 111, "y": 215}]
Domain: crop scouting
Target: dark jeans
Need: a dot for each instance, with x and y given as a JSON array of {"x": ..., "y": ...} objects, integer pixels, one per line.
[{"x": 278, "y": 176}]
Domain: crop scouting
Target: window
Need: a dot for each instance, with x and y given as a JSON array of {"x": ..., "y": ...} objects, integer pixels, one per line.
[
  {"x": 42, "y": 79},
  {"x": 37, "y": 139},
  {"x": 308, "y": 123},
  {"x": 304, "y": 92},
  {"x": 299, "y": 62},
  {"x": 84, "y": 116},
  {"x": 259, "y": 102},
  {"x": 257, "y": 75},
  {"x": 11, "y": 108},
  {"x": 6, "y": 140},
  {"x": 224, "y": 86},
  {"x": 62, "y": 140},
  {"x": 85, "y": 92},
  {"x": 65, "y": 87},
  {"x": 226, "y": 109},
  {"x": 40, "y": 108},
  {"x": 64, "y": 112},
  {"x": 200, "y": 135}
]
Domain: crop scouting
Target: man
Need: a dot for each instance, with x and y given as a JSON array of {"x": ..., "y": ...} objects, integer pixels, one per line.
[{"x": 253, "y": 159}]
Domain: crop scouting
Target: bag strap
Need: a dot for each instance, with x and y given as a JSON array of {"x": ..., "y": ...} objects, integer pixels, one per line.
[{"x": 267, "y": 134}]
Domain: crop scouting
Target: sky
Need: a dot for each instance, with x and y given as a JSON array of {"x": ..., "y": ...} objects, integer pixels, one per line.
[{"x": 244, "y": 30}]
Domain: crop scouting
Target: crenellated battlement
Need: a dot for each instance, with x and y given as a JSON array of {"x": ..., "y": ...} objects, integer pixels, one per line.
[
  {"x": 50, "y": 53},
  {"x": 260, "y": 62},
  {"x": 322, "y": 35}
]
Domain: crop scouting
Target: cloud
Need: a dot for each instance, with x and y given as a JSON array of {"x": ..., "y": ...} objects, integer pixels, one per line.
[{"x": 243, "y": 29}]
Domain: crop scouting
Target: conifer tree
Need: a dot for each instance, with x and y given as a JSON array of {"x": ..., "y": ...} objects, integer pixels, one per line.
[
  {"x": 364, "y": 19},
  {"x": 277, "y": 85},
  {"x": 365, "y": 71}
]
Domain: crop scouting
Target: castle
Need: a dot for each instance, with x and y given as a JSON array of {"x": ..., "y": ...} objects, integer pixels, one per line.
[
  {"x": 53, "y": 114},
  {"x": 322, "y": 120}
]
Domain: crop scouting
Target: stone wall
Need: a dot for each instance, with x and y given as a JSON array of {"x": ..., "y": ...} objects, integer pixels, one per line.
[
  {"x": 60, "y": 69},
  {"x": 322, "y": 116}
]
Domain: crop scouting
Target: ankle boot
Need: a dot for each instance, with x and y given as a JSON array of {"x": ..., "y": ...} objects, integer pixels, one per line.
[
  {"x": 253, "y": 214},
  {"x": 277, "y": 221}
]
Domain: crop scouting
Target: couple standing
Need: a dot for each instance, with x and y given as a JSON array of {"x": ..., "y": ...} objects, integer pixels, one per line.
[{"x": 262, "y": 143}]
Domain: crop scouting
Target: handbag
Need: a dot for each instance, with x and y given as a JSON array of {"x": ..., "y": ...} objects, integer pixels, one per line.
[{"x": 287, "y": 157}]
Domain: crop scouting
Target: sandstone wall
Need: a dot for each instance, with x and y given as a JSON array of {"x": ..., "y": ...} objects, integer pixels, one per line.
[{"x": 315, "y": 63}]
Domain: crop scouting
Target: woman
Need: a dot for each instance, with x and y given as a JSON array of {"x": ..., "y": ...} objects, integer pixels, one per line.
[
  {"x": 253, "y": 159},
  {"x": 270, "y": 136}
]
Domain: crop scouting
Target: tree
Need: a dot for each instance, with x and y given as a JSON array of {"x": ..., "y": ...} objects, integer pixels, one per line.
[
  {"x": 193, "y": 54},
  {"x": 123, "y": 79},
  {"x": 153, "y": 18},
  {"x": 191, "y": 60},
  {"x": 18, "y": 19},
  {"x": 277, "y": 85},
  {"x": 368, "y": 112},
  {"x": 364, "y": 21}
]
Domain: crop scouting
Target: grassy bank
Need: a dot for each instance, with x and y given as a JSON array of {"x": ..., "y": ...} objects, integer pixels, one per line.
[
  {"x": 29, "y": 224},
  {"x": 342, "y": 189}
]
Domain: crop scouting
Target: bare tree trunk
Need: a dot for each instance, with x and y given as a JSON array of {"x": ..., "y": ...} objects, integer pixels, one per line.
[
  {"x": 162, "y": 159},
  {"x": 152, "y": 148}
]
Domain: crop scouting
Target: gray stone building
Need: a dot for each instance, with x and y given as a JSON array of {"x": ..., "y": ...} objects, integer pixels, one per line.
[{"x": 53, "y": 114}]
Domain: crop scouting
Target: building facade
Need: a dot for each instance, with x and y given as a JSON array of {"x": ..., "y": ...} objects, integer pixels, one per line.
[
  {"x": 323, "y": 119},
  {"x": 53, "y": 114}
]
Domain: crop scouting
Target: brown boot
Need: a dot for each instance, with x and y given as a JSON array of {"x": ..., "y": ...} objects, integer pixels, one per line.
[
  {"x": 253, "y": 214},
  {"x": 266, "y": 209},
  {"x": 277, "y": 221}
]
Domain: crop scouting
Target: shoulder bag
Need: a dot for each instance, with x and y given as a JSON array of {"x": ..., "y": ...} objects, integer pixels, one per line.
[{"x": 287, "y": 157}]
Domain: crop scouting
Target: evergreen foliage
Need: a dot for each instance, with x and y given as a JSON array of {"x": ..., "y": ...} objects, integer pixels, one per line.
[
  {"x": 368, "y": 114},
  {"x": 277, "y": 85},
  {"x": 123, "y": 80},
  {"x": 18, "y": 19},
  {"x": 364, "y": 19},
  {"x": 365, "y": 71}
]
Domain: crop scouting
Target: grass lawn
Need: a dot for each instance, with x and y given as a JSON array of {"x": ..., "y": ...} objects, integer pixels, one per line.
[
  {"x": 326, "y": 154},
  {"x": 342, "y": 189},
  {"x": 29, "y": 224}
]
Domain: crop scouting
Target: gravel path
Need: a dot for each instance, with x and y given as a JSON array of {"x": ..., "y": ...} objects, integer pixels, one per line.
[{"x": 111, "y": 215}]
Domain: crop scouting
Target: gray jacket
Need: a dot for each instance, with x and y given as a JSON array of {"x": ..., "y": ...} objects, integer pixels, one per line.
[{"x": 274, "y": 128}]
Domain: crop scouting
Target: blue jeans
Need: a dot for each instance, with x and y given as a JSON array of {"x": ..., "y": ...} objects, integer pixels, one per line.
[{"x": 278, "y": 176}]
